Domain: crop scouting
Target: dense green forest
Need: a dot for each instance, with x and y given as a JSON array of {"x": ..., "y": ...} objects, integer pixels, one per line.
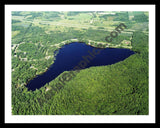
[
  {"x": 118, "y": 89},
  {"x": 122, "y": 89}
]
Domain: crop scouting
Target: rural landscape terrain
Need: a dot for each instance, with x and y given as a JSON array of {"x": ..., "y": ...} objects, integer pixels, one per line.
[{"x": 117, "y": 89}]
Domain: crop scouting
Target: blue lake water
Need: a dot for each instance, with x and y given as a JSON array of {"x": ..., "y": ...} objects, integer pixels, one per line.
[{"x": 78, "y": 55}]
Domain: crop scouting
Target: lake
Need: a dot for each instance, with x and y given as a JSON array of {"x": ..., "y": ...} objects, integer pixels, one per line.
[{"x": 78, "y": 55}]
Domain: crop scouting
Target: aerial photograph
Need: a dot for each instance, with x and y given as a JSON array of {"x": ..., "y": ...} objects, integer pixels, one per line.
[{"x": 79, "y": 62}]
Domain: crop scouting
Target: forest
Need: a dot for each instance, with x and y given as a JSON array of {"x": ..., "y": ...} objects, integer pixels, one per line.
[{"x": 118, "y": 89}]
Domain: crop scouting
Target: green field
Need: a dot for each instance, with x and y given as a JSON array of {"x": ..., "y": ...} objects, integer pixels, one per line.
[{"x": 118, "y": 89}]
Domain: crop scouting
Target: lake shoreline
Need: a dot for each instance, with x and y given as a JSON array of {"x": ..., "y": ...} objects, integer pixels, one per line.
[
  {"x": 94, "y": 43},
  {"x": 81, "y": 61}
]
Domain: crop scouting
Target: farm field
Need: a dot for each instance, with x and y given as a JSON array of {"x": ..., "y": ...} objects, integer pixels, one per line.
[{"x": 117, "y": 89}]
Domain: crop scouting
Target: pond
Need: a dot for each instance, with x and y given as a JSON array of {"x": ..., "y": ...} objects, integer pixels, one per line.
[{"x": 78, "y": 55}]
